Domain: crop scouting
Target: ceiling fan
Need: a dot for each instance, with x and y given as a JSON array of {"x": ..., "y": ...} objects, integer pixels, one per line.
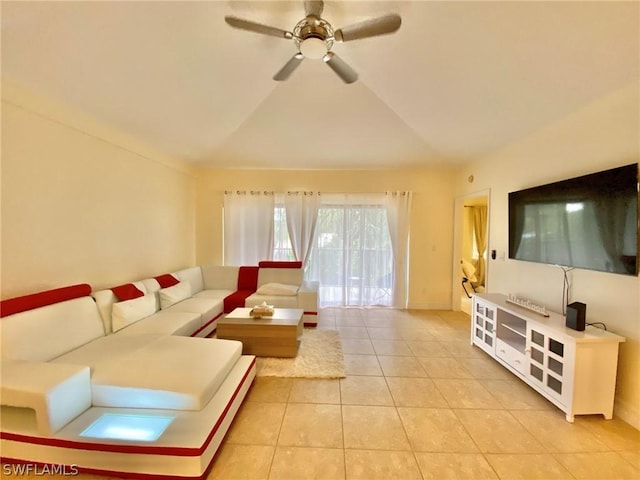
[{"x": 314, "y": 38}]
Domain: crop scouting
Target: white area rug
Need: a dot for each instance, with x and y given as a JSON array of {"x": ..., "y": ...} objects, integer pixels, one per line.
[{"x": 319, "y": 356}]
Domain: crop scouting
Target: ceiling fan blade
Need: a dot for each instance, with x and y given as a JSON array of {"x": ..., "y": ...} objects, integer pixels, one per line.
[
  {"x": 313, "y": 7},
  {"x": 289, "y": 67},
  {"x": 369, "y": 28},
  {"x": 344, "y": 71},
  {"x": 257, "y": 27}
]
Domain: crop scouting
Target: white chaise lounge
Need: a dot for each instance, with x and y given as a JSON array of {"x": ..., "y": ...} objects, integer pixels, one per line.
[{"x": 61, "y": 372}]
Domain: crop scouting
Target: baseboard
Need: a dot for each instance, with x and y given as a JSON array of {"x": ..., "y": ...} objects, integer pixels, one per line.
[{"x": 627, "y": 412}]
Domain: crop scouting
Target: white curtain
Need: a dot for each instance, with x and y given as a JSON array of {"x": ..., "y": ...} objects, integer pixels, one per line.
[
  {"x": 398, "y": 206},
  {"x": 302, "y": 216},
  {"x": 248, "y": 227}
]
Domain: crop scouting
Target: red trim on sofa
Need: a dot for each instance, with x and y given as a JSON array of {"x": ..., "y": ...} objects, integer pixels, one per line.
[
  {"x": 128, "y": 291},
  {"x": 227, "y": 407},
  {"x": 247, "y": 285},
  {"x": 236, "y": 300},
  {"x": 279, "y": 264},
  {"x": 141, "y": 449},
  {"x": 93, "y": 471},
  {"x": 248, "y": 278},
  {"x": 167, "y": 280},
  {"x": 195, "y": 334},
  {"x": 311, "y": 324},
  {"x": 42, "y": 299}
]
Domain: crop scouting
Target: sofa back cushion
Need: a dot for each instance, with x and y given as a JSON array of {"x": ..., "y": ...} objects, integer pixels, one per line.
[
  {"x": 172, "y": 295},
  {"x": 105, "y": 300},
  {"x": 193, "y": 275},
  {"x": 49, "y": 331},
  {"x": 248, "y": 278},
  {"x": 130, "y": 311},
  {"x": 220, "y": 277},
  {"x": 289, "y": 276}
]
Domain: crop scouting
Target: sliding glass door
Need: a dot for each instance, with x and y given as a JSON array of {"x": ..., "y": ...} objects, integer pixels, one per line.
[{"x": 352, "y": 256}]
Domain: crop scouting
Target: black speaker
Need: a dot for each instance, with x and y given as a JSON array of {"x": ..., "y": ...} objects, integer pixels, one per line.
[{"x": 576, "y": 315}]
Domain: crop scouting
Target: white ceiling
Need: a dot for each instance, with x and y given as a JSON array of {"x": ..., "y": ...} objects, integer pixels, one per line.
[{"x": 458, "y": 80}]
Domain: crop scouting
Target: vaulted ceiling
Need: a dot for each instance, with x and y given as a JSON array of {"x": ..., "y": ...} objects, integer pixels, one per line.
[{"x": 456, "y": 81}]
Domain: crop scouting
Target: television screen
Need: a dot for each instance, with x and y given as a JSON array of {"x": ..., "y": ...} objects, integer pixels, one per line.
[{"x": 585, "y": 222}]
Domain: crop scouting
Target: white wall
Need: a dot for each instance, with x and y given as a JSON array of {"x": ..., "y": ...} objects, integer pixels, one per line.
[
  {"x": 82, "y": 204},
  {"x": 604, "y": 135}
]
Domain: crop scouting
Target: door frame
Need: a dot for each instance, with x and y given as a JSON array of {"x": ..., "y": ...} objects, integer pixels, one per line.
[{"x": 458, "y": 229}]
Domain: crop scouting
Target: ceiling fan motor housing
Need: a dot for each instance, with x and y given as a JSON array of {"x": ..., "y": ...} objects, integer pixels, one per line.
[{"x": 313, "y": 37}]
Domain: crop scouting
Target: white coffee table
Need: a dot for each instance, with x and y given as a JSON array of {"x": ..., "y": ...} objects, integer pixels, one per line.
[{"x": 273, "y": 336}]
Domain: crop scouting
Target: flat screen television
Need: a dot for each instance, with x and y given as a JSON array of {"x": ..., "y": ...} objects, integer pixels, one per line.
[{"x": 586, "y": 222}]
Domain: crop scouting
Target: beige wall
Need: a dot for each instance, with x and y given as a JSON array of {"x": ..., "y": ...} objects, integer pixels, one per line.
[
  {"x": 83, "y": 204},
  {"x": 604, "y": 135},
  {"x": 431, "y": 216}
]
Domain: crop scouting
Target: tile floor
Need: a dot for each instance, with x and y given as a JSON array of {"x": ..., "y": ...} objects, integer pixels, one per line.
[{"x": 418, "y": 403}]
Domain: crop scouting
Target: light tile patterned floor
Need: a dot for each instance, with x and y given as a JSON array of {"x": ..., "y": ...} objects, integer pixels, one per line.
[{"x": 418, "y": 403}]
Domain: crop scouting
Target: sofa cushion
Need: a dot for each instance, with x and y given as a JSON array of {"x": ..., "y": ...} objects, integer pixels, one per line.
[
  {"x": 289, "y": 276},
  {"x": 207, "y": 307},
  {"x": 151, "y": 285},
  {"x": 277, "y": 289},
  {"x": 103, "y": 350},
  {"x": 176, "y": 373},
  {"x": 125, "y": 313},
  {"x": 248, "y": 278},
  {"x": 220, "y": 277},
  {"x": 165, "y": 322},
  {"x": 236, "y": 300},
  {"x": 166, "y": 280},
  {"x": 172, "y": 295},
  {"x": 215, "y": 294},
  {"x": 44, "y": 333},
  {"x": 278, "y": 301},
  {"x": 128, "y": 291},
  {"x": 193, "y": 275}
]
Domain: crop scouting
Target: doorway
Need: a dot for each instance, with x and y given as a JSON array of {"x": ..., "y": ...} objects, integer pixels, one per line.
[{"x": 471, "y": 247}]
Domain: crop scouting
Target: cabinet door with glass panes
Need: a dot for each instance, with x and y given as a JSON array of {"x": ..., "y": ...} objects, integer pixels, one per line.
[
  {"x": 483, "y": 329},
  {"x": 550, "y": 364}
]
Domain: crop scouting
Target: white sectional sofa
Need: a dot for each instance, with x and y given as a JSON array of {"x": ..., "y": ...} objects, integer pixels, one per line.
[
  {"x": 203, "y": 294},
  {"x": 71, "y": 355},
  {"x": 61, "y": 371}
]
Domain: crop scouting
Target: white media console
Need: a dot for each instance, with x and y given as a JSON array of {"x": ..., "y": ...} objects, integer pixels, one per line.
[{"x": 576, "y": 371}]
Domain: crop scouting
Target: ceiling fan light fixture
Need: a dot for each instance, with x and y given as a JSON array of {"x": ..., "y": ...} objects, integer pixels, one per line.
[
  {"x": 313, "y": 47},
  {"x": 314, "y": 37}
]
